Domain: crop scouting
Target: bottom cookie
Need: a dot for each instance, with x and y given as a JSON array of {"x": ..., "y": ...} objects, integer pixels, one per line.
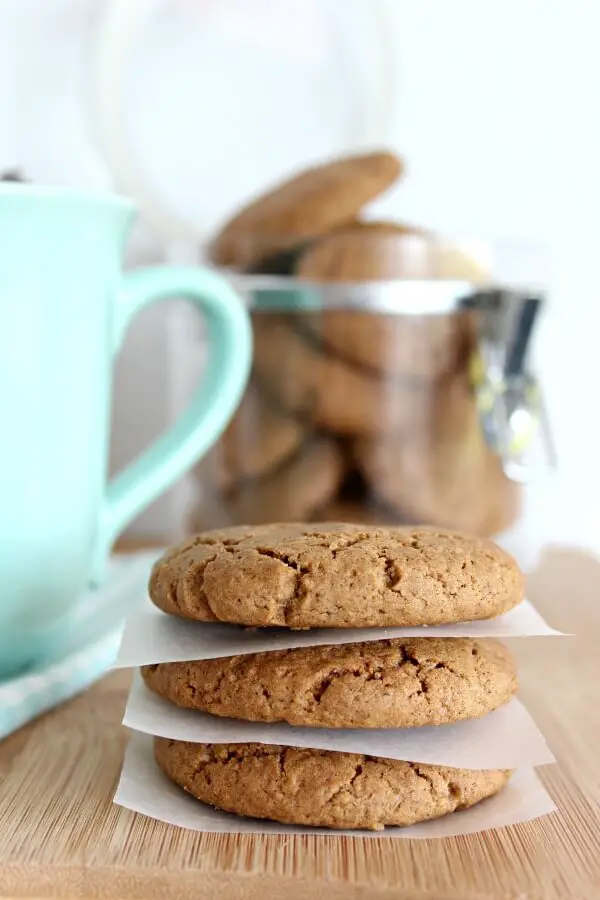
[{"x": 321, "y": 788}]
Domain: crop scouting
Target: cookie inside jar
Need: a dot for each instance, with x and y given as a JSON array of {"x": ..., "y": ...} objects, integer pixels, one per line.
[{"x": 361, "y": 405}]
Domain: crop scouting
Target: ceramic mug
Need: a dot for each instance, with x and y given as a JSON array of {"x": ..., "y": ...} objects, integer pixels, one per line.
[{"x": 64, "y": 307}]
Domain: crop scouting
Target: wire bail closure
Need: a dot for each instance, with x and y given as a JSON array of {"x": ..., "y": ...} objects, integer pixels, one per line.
[{"x": 509, "y": 395}]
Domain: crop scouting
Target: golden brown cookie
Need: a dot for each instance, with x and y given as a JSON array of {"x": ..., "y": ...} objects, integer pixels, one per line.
[
  {"x": 379, "y": 684},
  {"x": 294, "y": 489},
  {"x": 285, "y": 262},
  {"x": 320, "y": 787},
  {"x": 383, "y": 226},
  {"x": 396, "y": 350},
  {"x": 333, "y": 575},
  {"x": 291, "y": 369},
  {"x": 290, "y": 491},
  {"x": 443, "y": 473},
  {"x": 378, "y": 253},
  {"x": 304, "y": 207},
  {"x": 258, "y": 440}
]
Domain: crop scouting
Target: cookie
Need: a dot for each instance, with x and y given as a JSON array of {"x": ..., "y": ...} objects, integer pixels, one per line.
[
  {"x": 258, "y": 440},
  {"x": 321, "y": 788},
  {"x": 329, "y": 392},
  {"x": 380, "y": 253},
  {"x": 332, "y": 575},
  {"x": 285, "y": 262},
  {"x": 444, "y": 474},
  {"x": 379, "y": 684},
  {"x": 397, "y": 350},
  {"x": 303, "y": 207},
  {"x": 383, "y": 226},
  {"x": 292, "y": 490}
]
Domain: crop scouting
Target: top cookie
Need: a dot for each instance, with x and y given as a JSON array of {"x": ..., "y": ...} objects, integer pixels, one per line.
[
  {"x": 304, "y": 207},
  {"x": 332, "y": 575}
]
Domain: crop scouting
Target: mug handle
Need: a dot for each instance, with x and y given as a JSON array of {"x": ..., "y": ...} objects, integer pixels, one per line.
[{"x": 212, "y": 404}]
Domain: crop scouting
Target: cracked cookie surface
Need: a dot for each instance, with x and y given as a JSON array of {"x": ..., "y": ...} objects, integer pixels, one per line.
[
  {"x": 378, "y": 684},
  {"x": 319, "y": 787},
  {"x": 335, "y": 575}
]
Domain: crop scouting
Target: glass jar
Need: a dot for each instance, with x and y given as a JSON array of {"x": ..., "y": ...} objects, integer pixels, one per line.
[{"x": 380, "y": 400}]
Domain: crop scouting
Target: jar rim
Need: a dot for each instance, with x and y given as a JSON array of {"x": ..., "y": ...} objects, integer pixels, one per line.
[{"x": 414, "y": 297}]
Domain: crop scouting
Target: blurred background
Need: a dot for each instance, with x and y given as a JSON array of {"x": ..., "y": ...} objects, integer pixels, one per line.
[{"x": 193, "y": 106}]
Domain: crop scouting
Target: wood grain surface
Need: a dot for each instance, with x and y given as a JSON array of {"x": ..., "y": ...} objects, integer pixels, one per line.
[{"x": 60, "y": 835}]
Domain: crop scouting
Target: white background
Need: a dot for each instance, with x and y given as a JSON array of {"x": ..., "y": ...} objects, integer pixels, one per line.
[{"x": 494, "y": 106}]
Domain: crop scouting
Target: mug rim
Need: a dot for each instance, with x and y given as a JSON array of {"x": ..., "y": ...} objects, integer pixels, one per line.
[{"x": 26, "y": 189}]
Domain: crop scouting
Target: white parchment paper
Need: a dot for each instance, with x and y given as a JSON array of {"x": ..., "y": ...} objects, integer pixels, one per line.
[
  {"x": 145, "y": 789},
  {"x": 150, "y": 636},
  {"x": 505, "y": 739}
]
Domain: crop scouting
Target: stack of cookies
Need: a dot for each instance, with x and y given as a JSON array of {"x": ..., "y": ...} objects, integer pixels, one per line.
[
  {"x": 335, "y": 576},
  {"x": 358, "y": 413}
]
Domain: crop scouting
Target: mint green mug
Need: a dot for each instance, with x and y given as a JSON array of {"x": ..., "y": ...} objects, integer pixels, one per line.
[{"x": 64, "y": 307}]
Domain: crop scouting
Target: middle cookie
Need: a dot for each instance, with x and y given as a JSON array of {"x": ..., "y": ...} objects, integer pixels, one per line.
[
  {"x": 400, "y": 683},
  {"x": 319, "y": 389}
]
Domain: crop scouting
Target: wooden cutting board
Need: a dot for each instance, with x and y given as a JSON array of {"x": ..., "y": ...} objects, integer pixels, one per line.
[{"x": 60, "y": 836}]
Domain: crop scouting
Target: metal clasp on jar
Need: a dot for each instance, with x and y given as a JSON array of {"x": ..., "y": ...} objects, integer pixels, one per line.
[{"x": 509, "y": 396}]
